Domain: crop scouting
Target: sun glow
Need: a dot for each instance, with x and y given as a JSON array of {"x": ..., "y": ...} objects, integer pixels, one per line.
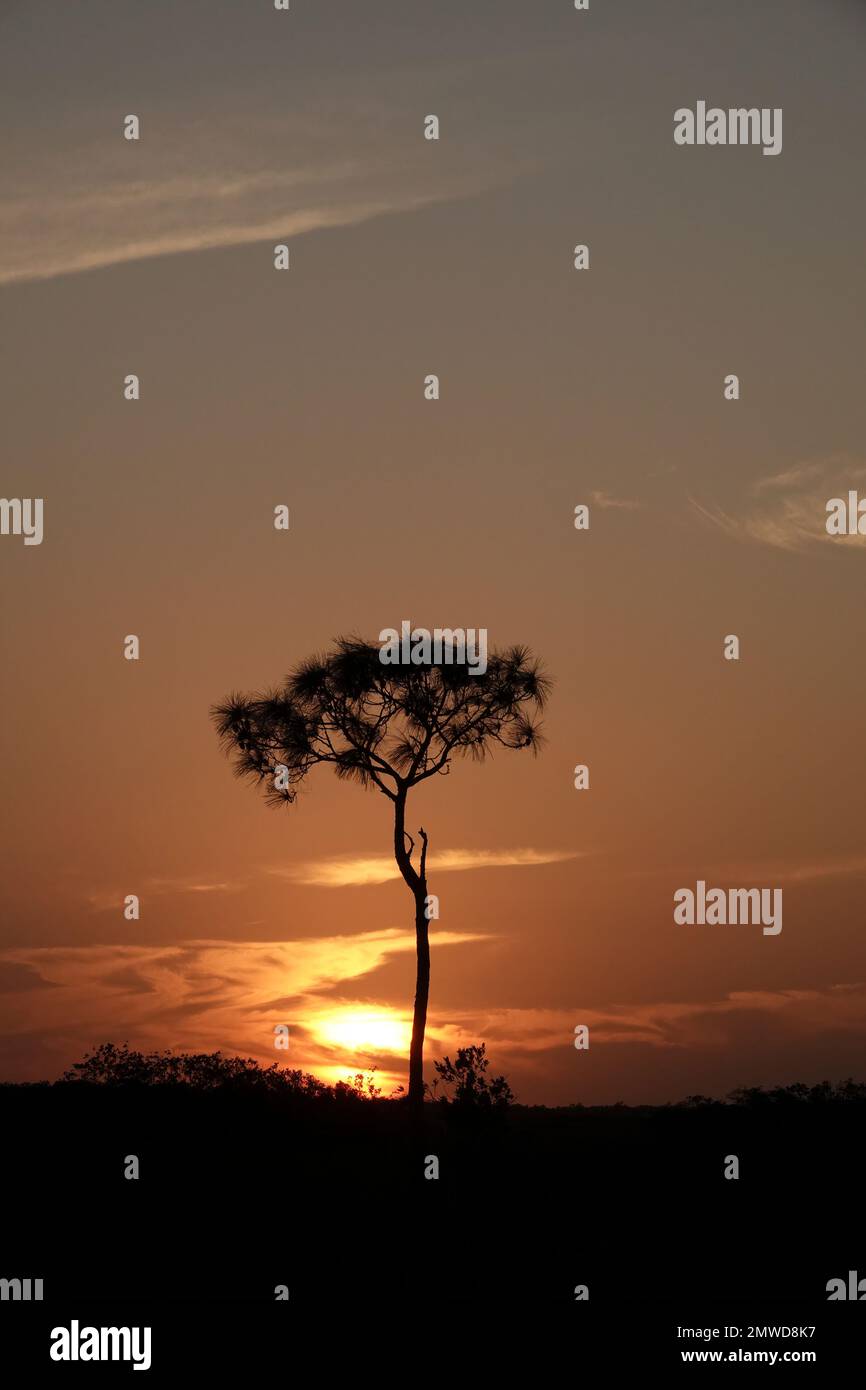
[{"x": 365, "y": 1030}]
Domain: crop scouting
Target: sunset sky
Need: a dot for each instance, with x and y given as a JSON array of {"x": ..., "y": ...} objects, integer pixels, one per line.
[{"x": 558, "y": 387}]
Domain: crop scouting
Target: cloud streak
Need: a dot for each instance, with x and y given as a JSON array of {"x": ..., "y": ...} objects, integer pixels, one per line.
[
  {"x": 204, "y": 995},
  {"x": 672, "y": 1024},
  {"x": 788, "y": 510},
  {"x": 225, "y": 178},
  {"x": 110, "y": 900},
  {"x": 78, "y": 251},
  {"x": 358, "y": 870},
  {"x": 622, "y": 504}
]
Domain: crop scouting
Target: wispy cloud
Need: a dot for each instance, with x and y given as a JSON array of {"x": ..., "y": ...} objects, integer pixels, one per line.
[
  {"x": 357, "y": 870},
  {"x": 678, "y": 1024},
  {"x": 134, "y": 223},
  {"x": 224, "y": 178},
  {"x": 207, "y": 995},
  {"x": 847, "y": 866},
  {"x": 110, "y": 899},
  {"x": 788, "y": 510},
  {"x": 763, "y": 870},
  {"x": 203, "y": 995},
  {"x": 623, "y": 504}
]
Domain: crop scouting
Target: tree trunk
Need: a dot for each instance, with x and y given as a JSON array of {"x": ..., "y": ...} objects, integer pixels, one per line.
[
  {"x": 417, "y": 882},
  {"x": 422, "y": 992}
]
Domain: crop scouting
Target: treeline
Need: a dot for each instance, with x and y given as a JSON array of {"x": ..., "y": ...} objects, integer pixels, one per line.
[
  {"x": 463, "y": 1083},
  {"x": 113, "y": 1065},
  {"x": 849, "y": 1092}
]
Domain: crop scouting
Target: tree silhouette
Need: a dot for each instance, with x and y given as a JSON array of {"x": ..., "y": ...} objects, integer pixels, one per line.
[
  {"x": 389, "y": 727},
  {"x": 122, "y": 1067},
  {"x": 472, "y": 1088}
]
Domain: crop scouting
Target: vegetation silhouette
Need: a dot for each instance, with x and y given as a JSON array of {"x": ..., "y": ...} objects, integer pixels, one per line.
[
  {"x": 472, "y": 1089},
  {"x": 118, "y": 1065},
  {"x": 267, "y": 1175},
  {"x": 389, "y": 727},
  {"x": 113, "y": 1065}
]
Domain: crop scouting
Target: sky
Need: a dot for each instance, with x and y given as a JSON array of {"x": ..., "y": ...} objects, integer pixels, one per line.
[{"x": 558, "y": 387}]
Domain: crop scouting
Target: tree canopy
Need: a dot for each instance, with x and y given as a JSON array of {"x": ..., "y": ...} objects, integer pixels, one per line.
[{"x": 381, "y": 725}]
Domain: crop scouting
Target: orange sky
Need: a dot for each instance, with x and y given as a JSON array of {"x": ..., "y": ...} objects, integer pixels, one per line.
[{"x": 558, "y": 387}]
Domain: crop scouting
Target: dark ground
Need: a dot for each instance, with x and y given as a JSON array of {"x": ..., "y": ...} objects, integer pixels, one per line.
[{"x": 239, "y": 1193}]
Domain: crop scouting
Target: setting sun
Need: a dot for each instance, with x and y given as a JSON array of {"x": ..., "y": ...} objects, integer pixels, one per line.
[{"x": 366, "y": 1030}]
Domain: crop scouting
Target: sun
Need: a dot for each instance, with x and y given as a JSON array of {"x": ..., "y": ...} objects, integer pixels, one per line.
[{"x": 366, "y": 1030}]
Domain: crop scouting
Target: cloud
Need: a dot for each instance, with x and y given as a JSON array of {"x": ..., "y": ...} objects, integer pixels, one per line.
[
  {"x": 681, "y": 1025},
  {"x": 850, "y": 866},
  {"x": 230, "y": 176},
  {"x": 380, "y": 868},
  {"x": 272, "y": 154},
  {"x": 788, "y": 510},
  {"x": 109, "y": 900},
  {"x": 606, "y": 503},
  {"x": 128, "y": 982},
  {"x": 207, "y": 995},
  {"x": 764, "y": 870},
  {"x": 17, "y": 979},
  {"x": 174, "y": 219},
  {"x": 185, "y": 885}
]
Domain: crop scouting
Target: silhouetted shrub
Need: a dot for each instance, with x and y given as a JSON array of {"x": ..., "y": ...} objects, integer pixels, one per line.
[
  {"x": 848, "y": 1092},
  {"x": 110, "y": 1065},
  {"x": 472, "y": 1089}
]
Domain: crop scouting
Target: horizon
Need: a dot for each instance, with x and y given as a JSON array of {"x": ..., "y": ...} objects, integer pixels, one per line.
[{"x": 365, "y": 1085}]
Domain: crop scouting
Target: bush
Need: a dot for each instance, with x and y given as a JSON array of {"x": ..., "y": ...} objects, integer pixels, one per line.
[{"x": 472, "y": 1088}]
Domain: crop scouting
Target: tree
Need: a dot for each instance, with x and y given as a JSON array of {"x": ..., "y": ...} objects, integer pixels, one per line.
[
  {"x": 473, "y": 1089},
  {"x": 388, "y": 727}
]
